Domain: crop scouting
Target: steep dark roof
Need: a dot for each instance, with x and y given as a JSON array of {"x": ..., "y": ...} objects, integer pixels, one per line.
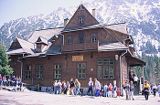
[
  {"x": 53, "y": 50},
  {"x": 121, "y": 27},
  {"x": 26, "y": 47},
  {"x": 45, "y": 33}
]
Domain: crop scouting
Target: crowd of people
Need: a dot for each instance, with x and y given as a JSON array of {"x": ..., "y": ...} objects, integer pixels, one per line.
[
  {"x": 95, "y": 88},
  {"x": 128, "y": 90},
  {"x": 11, "y": 81},
  {"x": 150, "y": 89}
]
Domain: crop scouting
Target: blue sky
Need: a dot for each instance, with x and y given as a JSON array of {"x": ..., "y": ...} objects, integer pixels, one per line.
[{"x": 14, "y": 9}]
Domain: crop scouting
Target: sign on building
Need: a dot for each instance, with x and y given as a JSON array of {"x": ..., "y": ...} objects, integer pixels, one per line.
[{"x": 77, "y": 58}]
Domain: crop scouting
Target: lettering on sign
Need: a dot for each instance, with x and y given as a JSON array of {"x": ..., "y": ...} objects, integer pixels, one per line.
[{"x": 77, "y": 58}]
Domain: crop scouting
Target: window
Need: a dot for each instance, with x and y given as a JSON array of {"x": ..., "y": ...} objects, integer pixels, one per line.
[
  {"x": 105, "y": 68},
  {"x": 81, "y": 69},
  {"x": 27, "y": 72},
  {"x": 39, "y": 72},
  {"x": 81, "y": 20},
  {"x": 57, "y": 71},
  {"x": 38, "y": 47},
  {"x": 69, "y": 39},
  {"x": 93, "y": 38},
  {"x": 81, "y": 37}
]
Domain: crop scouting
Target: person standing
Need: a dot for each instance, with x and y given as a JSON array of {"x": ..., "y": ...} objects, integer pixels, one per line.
[
  {"x": 110, "y": 88},
  {"x": 20, "y": 84},
  {"x": 131, "y": 92},
  {"x": 64, "y": 87},
  {"x": 56, "y": 87},
  {"x": 16, "y": 84},
  {"x": 68, "y": 88},
  {"x": 114, "y": 89},
  {"x": 0, "y": 81},
  {"x": 154, "y": 89},
  {"x": 146, "y": 88},
  {"x": 59, "y": 87},
  {"x": 97, "y": 87},
  {"x": 105, "y": 90},
  {"x": 135, "y": 78},
  {"x": 72, "y": 86},
  {"x": 90, "y": 87},
  {"x": 77, "y": 86},
  {"x": 127, "y": 90},
  {"x": 158, "y": 88}
]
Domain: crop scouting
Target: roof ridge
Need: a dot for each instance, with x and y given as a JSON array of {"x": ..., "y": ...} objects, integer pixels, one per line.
[
  {"x": 48, "y": 28},
  {"x": 105, "y": 24}
]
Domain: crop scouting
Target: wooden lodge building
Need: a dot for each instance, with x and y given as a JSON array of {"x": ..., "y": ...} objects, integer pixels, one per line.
[{"x": 81, "y": 49}]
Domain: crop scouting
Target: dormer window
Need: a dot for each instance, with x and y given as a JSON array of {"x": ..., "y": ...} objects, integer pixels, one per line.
[
  {"x": 40, "y": 44},
  {"x": 38, "y": 47},
  {"x": 81, "y": 20}
]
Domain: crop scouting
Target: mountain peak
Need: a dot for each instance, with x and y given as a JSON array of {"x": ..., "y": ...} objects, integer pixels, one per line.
[{"x": 142, "y": 17}]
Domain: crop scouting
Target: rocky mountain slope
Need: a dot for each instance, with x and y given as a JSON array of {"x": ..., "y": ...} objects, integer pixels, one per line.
[{"x": 142, "y": 17}]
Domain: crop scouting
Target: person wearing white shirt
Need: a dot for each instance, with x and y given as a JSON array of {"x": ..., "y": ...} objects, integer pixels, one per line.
[
  {"x": 59, "y": 87},
  {"x": 106, "y": 90},
  {"x": 56, "y": 87},
  {"x": 90, "y": 87},
  {"x": 97, "y": 87}
]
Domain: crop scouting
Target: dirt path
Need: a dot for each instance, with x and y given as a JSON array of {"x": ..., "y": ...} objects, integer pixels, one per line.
[{"x": 38, "y": 98}]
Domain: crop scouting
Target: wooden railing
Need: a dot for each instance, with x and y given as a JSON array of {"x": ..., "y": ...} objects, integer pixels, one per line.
[{"x": 80, "y": 46}]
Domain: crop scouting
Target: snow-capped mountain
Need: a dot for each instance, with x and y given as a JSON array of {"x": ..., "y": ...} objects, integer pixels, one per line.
[{"x": 142, "y": 17}]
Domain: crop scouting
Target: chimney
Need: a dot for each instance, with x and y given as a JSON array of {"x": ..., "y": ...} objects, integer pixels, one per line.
[
  {"x": 93, "y": 12},
  {"x": 65, "y": 21}
]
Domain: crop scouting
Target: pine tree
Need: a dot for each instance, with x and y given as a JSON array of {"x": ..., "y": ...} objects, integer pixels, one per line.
[
  {"x": 152, "y": 68},
  {"x": 5, "y": 68},
  {"x": 157, "y": 69}
]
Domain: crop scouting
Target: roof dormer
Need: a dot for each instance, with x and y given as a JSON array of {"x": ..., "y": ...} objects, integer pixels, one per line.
[{"x": 40, "y": 44}]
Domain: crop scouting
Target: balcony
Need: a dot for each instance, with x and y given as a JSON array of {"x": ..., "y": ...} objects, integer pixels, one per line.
[{"x": 79, "y": 46}]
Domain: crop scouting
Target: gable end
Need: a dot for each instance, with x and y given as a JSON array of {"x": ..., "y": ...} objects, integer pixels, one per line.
[{"x": 81, "y": 18}]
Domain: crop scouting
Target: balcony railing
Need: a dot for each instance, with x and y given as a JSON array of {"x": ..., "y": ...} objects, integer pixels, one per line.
[{"x": 80, "y": 46}]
